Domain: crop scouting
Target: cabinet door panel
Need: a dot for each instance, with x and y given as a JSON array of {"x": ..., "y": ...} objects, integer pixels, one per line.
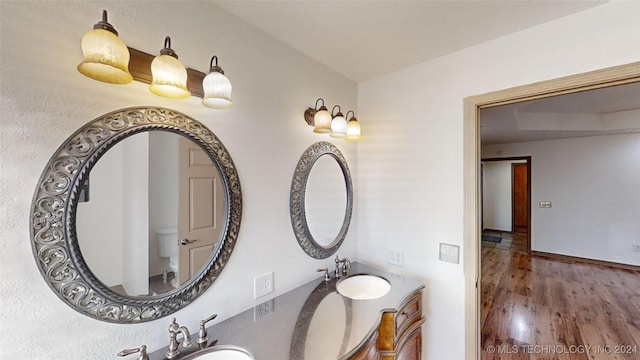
[{"x": 411, "y": 347}]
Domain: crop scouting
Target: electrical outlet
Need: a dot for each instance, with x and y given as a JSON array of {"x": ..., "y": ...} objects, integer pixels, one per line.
[
  {"x": 262, "y": 310},
  {"x": 262, "y": 285},
  {"x": 636, "y": 247},
  {"x": 450, "y": 253},
  {"x": 395, "y": 257}
]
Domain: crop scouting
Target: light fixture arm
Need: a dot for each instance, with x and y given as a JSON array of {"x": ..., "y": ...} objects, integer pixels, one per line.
[
  {"x": 104, "y": 24},
  {"x": 215, "y": 67},
  {"x": 311, "y": 112},
  {"x": 350, "y": 111},
  {"x": 339, "y": 111},
  {"x": 167, "y": 48}
]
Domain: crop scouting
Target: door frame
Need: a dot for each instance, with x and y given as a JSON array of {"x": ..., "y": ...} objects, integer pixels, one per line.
[{"x": 616, "y": 75}]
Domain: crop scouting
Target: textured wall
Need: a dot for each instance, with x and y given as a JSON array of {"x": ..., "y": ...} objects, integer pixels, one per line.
[
  {"x": 44, "y": 99},
  {"x": 410, "y": 163}
]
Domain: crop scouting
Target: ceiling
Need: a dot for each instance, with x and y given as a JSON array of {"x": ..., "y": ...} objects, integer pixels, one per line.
[
  {"x": 365, "y": 39},
  {"x": 610, "y": 110}
]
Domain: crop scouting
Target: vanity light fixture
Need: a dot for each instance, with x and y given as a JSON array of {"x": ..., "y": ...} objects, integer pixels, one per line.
[
  {"x": 353, "y": 127},
  {"x": 321, "y": 121},
  {"x": 217, "y": 88},
  {"x": 169, "y": 75},
  {"x": 338, "y": 124},
  {"x": 105, "y": 56}
]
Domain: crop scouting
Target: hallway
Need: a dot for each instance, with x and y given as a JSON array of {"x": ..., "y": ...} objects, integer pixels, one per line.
[{"x": 534, "y": 307}]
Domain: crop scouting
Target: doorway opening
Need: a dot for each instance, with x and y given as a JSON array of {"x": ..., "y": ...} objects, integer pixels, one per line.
[
  {"x": 618, "y": 75},
  {"x": 505, "y": 193}
]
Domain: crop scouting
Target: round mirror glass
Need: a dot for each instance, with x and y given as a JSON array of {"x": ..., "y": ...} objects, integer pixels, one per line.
[
  {"x": 131, "y": 199},
  {"x": 321, "y": 200},
  {"x": 325, "y": 200},
  {"x": 129, "y": 221}
]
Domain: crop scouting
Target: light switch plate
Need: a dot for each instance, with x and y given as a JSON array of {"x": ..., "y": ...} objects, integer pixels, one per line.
[
  {"x": 545, "y": 204},
  {"x": 450, "y": 253}
]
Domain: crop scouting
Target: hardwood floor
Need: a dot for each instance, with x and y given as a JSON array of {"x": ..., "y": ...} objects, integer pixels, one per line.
[{"x": 537, "y": 308}]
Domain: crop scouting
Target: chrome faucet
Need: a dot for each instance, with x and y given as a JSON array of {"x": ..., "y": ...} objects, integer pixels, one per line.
[
  {"x": 174, "y": 346},
  {"x": 342, "y": 265}
]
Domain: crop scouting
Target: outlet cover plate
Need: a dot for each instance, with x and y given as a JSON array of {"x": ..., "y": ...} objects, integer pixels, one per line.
[
  {"x": 395, "y": 257},
  {"x": 262, "y": 310},
  {"x": 450, "y": 253},
  {"x": 635, "y": 247},
  {"x": 263, "y": 285}
]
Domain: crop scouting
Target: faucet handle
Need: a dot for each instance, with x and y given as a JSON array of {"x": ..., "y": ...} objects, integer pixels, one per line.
[
  {"x": 142, "y": 350},
  {"x": 202, "y": 334},
  {"x": 346, "y": 265},
  {"x": 326, "y": 273}
]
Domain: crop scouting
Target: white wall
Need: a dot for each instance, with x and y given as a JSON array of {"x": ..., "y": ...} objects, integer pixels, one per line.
[
  {"x": 592, "y": 183},
  {"x": 410, "y": 190},
  {"x": 105, "y": 185},
  {"x": 496, "y": 195},
  {"x": 44, "y": 99}
]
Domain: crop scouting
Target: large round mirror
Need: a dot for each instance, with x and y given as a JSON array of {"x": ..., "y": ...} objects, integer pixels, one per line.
[
  {"x": 136, "y": 214},
  {"x": 321, "y": 200}
]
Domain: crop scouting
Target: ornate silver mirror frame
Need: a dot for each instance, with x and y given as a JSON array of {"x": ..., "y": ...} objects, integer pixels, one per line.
[
  {"x": 297, "y": 200},
  {"x": 53, "y": 216}
]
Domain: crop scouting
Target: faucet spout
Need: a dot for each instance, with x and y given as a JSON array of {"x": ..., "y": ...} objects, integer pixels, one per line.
[{"x": 174, "y": 345}]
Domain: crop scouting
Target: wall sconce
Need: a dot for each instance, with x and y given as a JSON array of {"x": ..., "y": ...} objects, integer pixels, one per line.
[
  {"x": 319, "y": 118},
  {"x": 106, "y": 58},
  {"x": 353, "y": 127},
  {"x": 336, "y": 125},
  {"x": 217, "y": 88},
  {"x": 169, "y": 75}
]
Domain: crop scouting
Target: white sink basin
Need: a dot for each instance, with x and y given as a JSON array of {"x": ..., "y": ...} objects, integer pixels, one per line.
[
  {"x": 221, "y": 352},
  {"x": 363, "y": 287}
]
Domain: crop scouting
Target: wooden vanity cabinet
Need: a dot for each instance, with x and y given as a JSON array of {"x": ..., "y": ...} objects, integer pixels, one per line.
[{"x": 399, "y": 335}]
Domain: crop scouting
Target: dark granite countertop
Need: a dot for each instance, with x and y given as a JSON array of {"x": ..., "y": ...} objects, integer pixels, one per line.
[{"x": 310, "y": 322}]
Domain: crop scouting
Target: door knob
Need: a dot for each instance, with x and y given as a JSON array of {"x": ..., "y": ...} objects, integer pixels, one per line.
[{"x": 187, "y": 241}]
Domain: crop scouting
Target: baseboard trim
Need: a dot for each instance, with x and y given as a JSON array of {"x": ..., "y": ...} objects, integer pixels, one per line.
[{"x": 585, "y": 260}]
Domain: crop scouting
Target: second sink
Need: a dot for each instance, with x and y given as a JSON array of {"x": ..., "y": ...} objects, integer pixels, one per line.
[
  {"x": 363, "y": 286},
  {"x": 221, "y": 352}
]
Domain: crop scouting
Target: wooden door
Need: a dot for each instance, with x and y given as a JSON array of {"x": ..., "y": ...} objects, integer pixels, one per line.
[
  {"x": 200, "y": 208},
  {"x": 520, "y": 197}
]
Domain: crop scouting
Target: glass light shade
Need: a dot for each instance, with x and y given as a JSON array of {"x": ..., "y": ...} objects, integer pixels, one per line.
[
  {"x": 169, "y": 78},
  {"x": 353, "y": 130},
  {"x": 338, "y": 127},
  {"x": 322, "y": 121},
  {"x": 217, "y": 91},
  {"x": 105, "y": 57}
]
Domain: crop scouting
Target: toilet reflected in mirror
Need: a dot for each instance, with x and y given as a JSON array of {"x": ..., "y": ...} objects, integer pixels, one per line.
[{"x": 168, "y": 252}]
